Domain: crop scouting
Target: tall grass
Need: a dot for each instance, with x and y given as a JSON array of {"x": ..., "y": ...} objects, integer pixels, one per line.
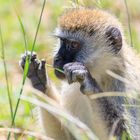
[
  {"x": 26, "y": 132},
  {"x": 23, "y": 32},
  {"x": 6, "y": 78},
  {"x": 129, "y": 23},
  {"x": 80, "y": 130},
  {"x": 27, "y": 63},
  {"x": 6, "y": 74}
]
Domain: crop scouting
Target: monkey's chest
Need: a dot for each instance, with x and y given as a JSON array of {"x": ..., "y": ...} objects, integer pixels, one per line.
[{"x": 87, "y": 111}]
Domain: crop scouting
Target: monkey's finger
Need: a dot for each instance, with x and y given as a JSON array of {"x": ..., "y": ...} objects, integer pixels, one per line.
[
  {"x": 42, "y": 64},
  {"x": 78, "y": 75},
  {"x": 36, "y": 64},
  {"x": 73, "y": 64},
  {"x": 77, "y": 67},
  {"x": 74, "y": 67},
  {"x": 29, "y": 55},
  {"x": 34, "y": 56},
  {"x": 33, "y": 68},
  {"x": 66, "y": 66},
  {"x": 68, "y": 74}
]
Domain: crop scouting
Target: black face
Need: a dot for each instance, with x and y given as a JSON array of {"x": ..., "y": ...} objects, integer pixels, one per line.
[{"x": 66, "y": 54}]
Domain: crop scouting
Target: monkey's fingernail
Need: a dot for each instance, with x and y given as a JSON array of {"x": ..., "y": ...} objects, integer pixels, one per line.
[
  {"x": 43, "y": 62},
  {"x": 37, "y": 62},
  {"x": 34, "y": 56},
  {"x": 27, "y": 53}
]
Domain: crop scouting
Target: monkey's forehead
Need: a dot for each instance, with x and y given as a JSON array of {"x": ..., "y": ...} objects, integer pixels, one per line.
[{"x": 86, "y": 19}]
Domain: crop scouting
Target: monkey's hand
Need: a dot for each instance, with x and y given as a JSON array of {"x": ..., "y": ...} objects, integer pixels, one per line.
[
  {"x": 77, "y": 72},
  {"x": 36, "y": 71}
]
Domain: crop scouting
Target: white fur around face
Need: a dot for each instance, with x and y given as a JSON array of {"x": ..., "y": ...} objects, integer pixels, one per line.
[{"x": 81, "y": 107}]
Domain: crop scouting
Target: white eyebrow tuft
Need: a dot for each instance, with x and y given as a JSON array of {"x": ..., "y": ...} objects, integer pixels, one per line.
[{"x": 58, "y": 32}]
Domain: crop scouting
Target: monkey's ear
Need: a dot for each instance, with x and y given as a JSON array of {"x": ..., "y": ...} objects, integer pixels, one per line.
[{"x": 114, "y": 37}]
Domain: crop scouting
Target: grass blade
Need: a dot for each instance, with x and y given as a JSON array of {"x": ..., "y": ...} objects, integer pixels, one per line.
[
  {"x": 40, "y": 18},
  {"x": 25, "y": 42},
  {"x": 26, "y": 66},
  {"x": 36, "y": 135},
  {"x": 129, "y": 25},
  {"x": 55, "y": 68},
  {"x": 69, "y": 121},
  {"x": 6, "y": 77},
  {"x": 6, "y": 74},
  {"x": 23, "y": 31},
  {"x": 76, "y": 1}
]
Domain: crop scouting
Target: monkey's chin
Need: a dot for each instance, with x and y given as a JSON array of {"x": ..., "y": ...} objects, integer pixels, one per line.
[{"x": 59, "y": 75}]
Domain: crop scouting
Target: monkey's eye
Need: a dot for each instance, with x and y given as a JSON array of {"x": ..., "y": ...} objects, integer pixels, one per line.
[{"x": 75, "y": 45}]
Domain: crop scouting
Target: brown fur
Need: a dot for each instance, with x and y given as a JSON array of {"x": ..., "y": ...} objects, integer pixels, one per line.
[{"x": 88, "y": 19}]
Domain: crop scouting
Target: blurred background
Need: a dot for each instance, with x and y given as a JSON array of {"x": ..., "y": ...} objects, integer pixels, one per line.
[{"x": 29, "y": 12}]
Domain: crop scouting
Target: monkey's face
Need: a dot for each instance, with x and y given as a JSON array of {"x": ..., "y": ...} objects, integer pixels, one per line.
[
  {"x": 92, "y": 53},
  {"x": 91, "y": 37},
  {"x": 66, "y": 54}
]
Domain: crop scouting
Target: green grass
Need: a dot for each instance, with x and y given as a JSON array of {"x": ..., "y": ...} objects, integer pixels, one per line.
[
  {"x": 27, "y": 64},
  {"x": 6, "y": 74}
]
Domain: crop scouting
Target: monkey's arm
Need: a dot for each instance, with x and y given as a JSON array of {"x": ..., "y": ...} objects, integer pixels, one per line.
[
  {"x": 111, "y": 107},
  {"x": 37, "y": 74}
]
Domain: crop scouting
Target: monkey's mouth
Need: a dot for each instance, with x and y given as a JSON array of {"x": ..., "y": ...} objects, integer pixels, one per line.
[
  {"x": 58, "y": 66},
  {"x": 58, "y": 70},
  {"x": 59, "y": 73}
]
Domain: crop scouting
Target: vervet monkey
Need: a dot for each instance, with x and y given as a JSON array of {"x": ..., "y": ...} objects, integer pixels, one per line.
[{"x": 91, "y": 42}]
